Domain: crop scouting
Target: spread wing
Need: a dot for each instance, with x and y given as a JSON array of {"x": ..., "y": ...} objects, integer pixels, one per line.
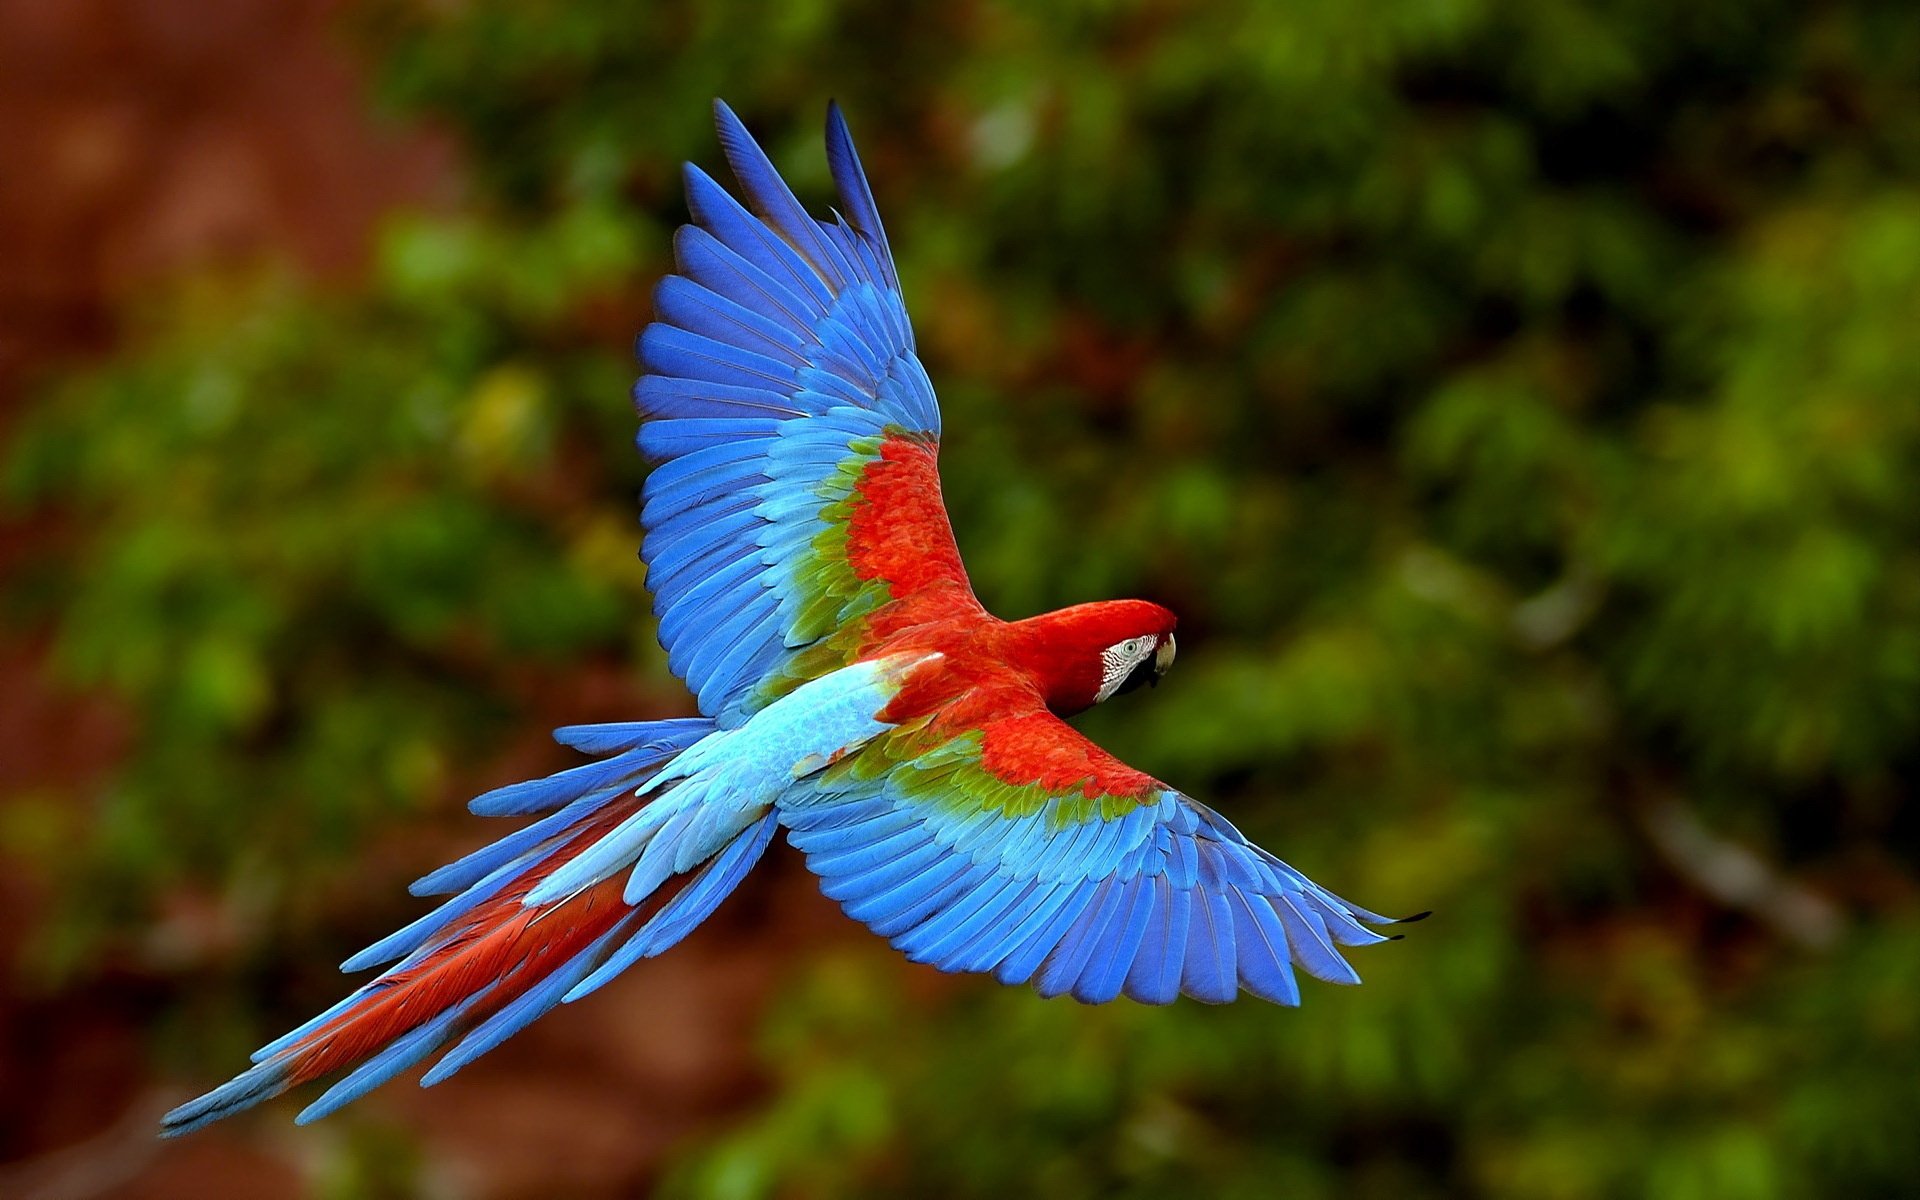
[
  {"x": 794, "y": 435},
  {"x": 1025, "y": 850}
]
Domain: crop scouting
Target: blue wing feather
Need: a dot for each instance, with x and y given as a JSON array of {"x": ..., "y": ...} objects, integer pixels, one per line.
[
  {"x": 749, "y": 238},
  {"x": 935, "y": 939},
  {"x": 1158, "y": 898},
  {"x": 670, "y": 350},
  {"x": 769, "y": 197},
  {"x": 1265, "y": 968},
  {"x": 1211, "y": 971},
  {"x": 907, "y": 902},
  {"x": 714, "y": 265},
  {"x": 1103, "y": 979},
  {"x": 1158, "y": 981},
  {"x": 691, "y": 398},
  {"x": 1036, "y": 901},
  {"x": 683, "y": 302},
  {"x": 779, "y": 357},
  {"x": 1027, "y": 957},
  {"x": 851, "y": 182},
  {"x": 1070, "y": 957},
  {"x": 1312, "y": 949}
]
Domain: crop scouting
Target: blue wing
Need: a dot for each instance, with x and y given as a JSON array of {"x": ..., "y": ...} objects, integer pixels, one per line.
[
  {"x": 779, "y": 365},
  {"x": 1079, "y": 892}
]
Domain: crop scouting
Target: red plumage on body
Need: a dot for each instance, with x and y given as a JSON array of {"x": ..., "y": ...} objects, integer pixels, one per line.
[
  {"x": 999, "y": 677},
  {"x": 1011, "y": 680}
]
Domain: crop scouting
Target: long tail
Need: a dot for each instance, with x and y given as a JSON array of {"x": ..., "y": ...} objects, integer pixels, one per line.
[{"x": 486, "y": 962}]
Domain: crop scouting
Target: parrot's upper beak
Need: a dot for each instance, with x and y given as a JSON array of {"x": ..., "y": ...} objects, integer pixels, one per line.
[{"x": 1162, "y": 660}]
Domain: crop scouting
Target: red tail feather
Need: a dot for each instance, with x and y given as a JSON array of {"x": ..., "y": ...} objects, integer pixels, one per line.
[{"x": 501, "y": 941}]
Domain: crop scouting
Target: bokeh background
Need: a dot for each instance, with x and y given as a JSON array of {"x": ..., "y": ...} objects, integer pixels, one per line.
[{"x": 1517, "y": 399}]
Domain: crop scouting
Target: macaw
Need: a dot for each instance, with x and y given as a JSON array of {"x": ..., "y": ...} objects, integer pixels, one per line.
[{"x": 852, "y": 692}]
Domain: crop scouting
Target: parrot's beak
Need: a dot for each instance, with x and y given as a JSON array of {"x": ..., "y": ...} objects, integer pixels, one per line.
[{"x": 1162, "y": 659}]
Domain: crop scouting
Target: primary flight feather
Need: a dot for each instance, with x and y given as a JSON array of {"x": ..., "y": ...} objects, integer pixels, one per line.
[{"x": 852, "y": 691}]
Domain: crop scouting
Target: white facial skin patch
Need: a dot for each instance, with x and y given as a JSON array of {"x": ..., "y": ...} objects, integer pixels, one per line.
[{"x": 1118, "y": 661}]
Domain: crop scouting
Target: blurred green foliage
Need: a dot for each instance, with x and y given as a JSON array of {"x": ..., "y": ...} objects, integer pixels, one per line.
[{"x": 1517, "y": 400}]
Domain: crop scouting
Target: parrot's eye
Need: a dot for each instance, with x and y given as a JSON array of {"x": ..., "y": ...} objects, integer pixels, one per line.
[{"x": 1126, "y": 665}]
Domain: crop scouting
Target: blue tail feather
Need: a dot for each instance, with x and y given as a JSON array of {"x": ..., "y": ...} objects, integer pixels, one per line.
[
  {"x": 243, "y": 1091},
  {"x": 638, "y": 748},
  {"x": 400, "y": 1054},
  {"x": 673, "y": 734},
  {"x": 525, "y": 1009},
  {"x": 695, "y": 903}
]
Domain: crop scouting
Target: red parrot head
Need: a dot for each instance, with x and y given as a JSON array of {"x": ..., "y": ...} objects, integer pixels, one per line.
[{"x": 1092, "y": 652}]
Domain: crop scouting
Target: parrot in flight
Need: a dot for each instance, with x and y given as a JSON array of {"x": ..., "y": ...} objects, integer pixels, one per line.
[{"x": 852, "y": 692}]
